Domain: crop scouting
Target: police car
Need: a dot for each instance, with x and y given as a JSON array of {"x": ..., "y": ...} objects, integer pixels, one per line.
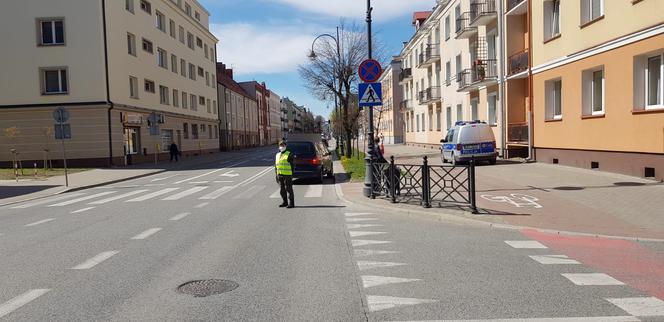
[{"x": 469, "y": 139}]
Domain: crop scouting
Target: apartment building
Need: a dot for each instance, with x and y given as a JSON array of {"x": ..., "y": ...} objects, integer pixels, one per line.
[
  {"x": 451, "y": 70},
  {"x": 274, "y": 124},
  {"x": 134, "y": 75},
  {"x": 597, "y": 69},
  {"x": 259, "y": 92},
  {"x": 388, "y": 119},
  {"x": 238, "y": 112}
]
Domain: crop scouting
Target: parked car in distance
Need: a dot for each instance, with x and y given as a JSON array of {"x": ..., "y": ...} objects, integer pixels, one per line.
[
  {"x": 469, "y": 139},
  {"x": 312, "y": 160}
]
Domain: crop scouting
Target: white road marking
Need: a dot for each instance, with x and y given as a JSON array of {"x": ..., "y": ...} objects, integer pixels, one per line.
[
  {"x": 152, "y": 195},
  {"x": 554, "y": 260},
  {"x": 256, "y": 176},
  {"x": 574, "y": 319},
  {"x": 356, "y": 226},
  {"x": 592, "y": 279},
  {"x": 640, "y": 306},
  {"x": 94, "y": 261},
  {"x": 354, "y": 214},
  {"x": 276, "y": 194},
  {"x": 226, "y": 181},
  {"x": 314, "y": 191},
  {"x": 162, "y": 179},
  {"x": 82, "y": 210},
  {"x": 146, "y": 234},
  {"x": 364, "y": 265},
  {"x": 250, "y": 193},
  {"x": 185, "y": 193},
  {"x": 369, "y": 252},
  {"x": 365, "y": 233},
  {"x": 154, "y": 185},
  {"x": 199, "y": 182},
  {"x": 23, "y": 299},
  {"x": 377, "y": 303},
  {"x": 39, "y": 222},
  {"x": 199, "y": 176},
  {"x": 202, "y": 205},
  {"x": 532, "y": 244},
  {"x": 180, "y": 216},
  {"x": 360, "y": 219},
  {"x": 124, "y": 195},
  {"x": 217, "y": 193},
  {"x": 73, "y": 201},
  {"x": 362, "y": 242},
  {"x": 373, "y": 280},
  {"x": 230, "y": 174},
  {"x": 41, "y": 202}
]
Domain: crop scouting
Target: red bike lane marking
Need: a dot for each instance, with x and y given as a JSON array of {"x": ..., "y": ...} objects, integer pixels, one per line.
[{"x": 624, "y": 260}]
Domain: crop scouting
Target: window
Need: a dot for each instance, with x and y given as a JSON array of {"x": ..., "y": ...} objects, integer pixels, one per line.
[
  {"x": 212, "y": 58},
  {"x": 171, "y": 28},
  {"x": 160, "y": 21},
  {"x": 146, "y": 6},
  {"x": 164, "y": 94},
  {"x": 593, "y": 91},
  {"x": 438, "y": 119},
  {"x": 458, "y": 68},
  {"x": 208, "y": 104},
  {"x": 194, "y": 131},
  {"x": 176, "y": 98},
  {"x": 491, "y": 108},
  {"x": 214, "y": 107},
  {"x": 162, "y": 58},
  {"x": 51, "y": 32},
  {"x": 418, "y": 122},
  {"x": 148, "y": 86},
  {"x": 187, "y": 9},
  {"x": 185, "y": 130},
  {"x": 205, "y": 50},
  {"x": 183, "y": 68},
  {"x": 214, "y": 81},
  {"x": 181, "y": 34},
  {"x": 192, "y": 72},
  {"x": 193, "y": 101},
  {"x": 551, "y": 19},
  {"x": 54, "y": 81},
  {"x": 448, "y": 117},
  {"x": 473, "y": 109},
  {"x": 448, "y": 72},
  {"x": 133, "y": 87},
  {"x": 190, "y": 40},
  {"x": 654, "y": 74},
  {"x": 430, "y": 119},
  {"x": 201, "y": 72},
  {"x": 129, "y": 5},
  {"x": 131, "y": 44},
  {"x": 197, "y": 15},
  {"x": 553, "y": 99},
  {"x": 447, "y": 27},
  {"x": 210, "y": 134},
  {"x": 591, "y": 10},
  {"x": 185, "y": 100},
  {"x": 201, "y": 100},
  {"x": 459, "y": 112},
  {"x": 207, "y": 79},
  {"x": 216, "y": 132},
  {"x": 147, "y": 46},
  {"x": 174, "y": 63},
  {"x": 199, "y": 42},
  {"x": 457, "y": 15}
]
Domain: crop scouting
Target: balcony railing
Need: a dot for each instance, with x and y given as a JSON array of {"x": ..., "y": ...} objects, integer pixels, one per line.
[
  {"x": 518, "y": 63},
  {"x": 517, "y": 132},
  {"x": 511, "y": 4},
  {"x": 482, "y": 12},
  {"x": 463, "y": 28},
  {"x": 405, "y": 75},
  {"x": 482, "y": 73},
  {"x": 406, "y": 105},
  {"x": 430, "y": 55},
  {"x": 428, "y": 95}
]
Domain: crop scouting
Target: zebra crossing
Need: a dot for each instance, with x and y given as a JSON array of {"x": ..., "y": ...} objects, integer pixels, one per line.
[{"x": 205, "y": 193}]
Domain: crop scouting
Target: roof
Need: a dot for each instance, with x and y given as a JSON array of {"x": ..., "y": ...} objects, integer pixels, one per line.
[
  {"x": 421, "y": 15},
  {"x": 232, "y": 85}
]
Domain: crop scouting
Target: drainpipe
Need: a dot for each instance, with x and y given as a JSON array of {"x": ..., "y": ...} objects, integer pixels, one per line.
[
  {"x": 108, "y": 91},
  {"x": 501, "y": 76},
  {"x": 531, "y": 152}
]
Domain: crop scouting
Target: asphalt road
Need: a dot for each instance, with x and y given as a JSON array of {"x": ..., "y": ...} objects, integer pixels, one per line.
[{"x": 119, "y": 253}]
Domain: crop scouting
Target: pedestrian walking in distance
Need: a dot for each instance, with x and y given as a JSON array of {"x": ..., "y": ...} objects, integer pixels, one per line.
[
  {"x": 284, "y": 168},
  {"x": 175, "y": 152}
]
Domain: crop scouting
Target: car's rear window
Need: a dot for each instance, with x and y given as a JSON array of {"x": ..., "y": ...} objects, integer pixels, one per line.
[{"x": 302, "y": 148}]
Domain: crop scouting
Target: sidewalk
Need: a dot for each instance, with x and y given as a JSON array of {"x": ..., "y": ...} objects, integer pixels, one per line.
[
  {"x": 12, "y": 192},
  {"x": 547, "y": 197}
]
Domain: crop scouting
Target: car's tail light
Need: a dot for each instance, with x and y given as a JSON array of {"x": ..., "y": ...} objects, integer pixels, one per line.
[{"x": 315, "y": 161}]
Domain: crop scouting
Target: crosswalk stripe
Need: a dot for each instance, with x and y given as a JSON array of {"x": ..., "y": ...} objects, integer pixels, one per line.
[
  {"x": 41, "y": 202},
  {"x": 554, "y": 259},
  {"x": 217, "y": 193},
  {"x": 124, "y": 195},
  {"x": 355, "y": 233},
  {"x": 73, "y": 201},
  {"x": 314, "y": 191},
  {"x": 250, "y": 193},
  {"x": 373, "y": 280},
  {"x": 377, "y": 303},
  {"x": 364, "y": 265},
  {"x": 185, "y": 193},
  {"x": 152, "y": 195},
  {"x": 276, "y": 194}
]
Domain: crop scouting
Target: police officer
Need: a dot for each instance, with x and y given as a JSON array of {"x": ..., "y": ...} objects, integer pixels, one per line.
[{"x": 284, "y": 168}]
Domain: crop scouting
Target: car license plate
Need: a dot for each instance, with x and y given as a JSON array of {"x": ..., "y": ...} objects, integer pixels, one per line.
[{"x": 471, "y": 147}]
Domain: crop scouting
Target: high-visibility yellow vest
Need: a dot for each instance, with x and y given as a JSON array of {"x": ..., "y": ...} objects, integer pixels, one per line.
[{"x": 283, "y": 167}]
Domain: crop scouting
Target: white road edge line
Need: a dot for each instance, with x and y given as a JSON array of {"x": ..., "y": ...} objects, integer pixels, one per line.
[
  {"x": 146, "y": 234},
  {"x": 94, "y": 261},
  {"x": 82, "y": 210},
  {"x": 180, "y": 216},
  {"x": 23, "y": 299},
  {"x": 39, "y": 222}
]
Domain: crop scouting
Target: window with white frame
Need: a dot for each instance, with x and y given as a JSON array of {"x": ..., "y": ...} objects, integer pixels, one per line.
[
  {"x": 591, "y": 10},
  {"x": 430, "y": 119},
  {"x": 201, "y": 71},
  {"x": 171, "y": 28},
  {"x": 181, "y": 34},
  {"x": 192, "y": 72},
  {"x": 201, "y": 100},
  {"x": 148, "y": 86},
  {"x": 174, "y": 63},
  {"x": 185, "y": 100},
  {"x": 447, "y": 27},
  {"x": 418, "y": 122},
  {"x": 553, "y": 103},
  {"x": 448, "y": 72},
  {"x": 160, "y": 21},
  {"x": 438, "y": 119},
  {"x": 164, "y": 94},
  {"x": 448, "y": 117},
  {"x": 147, "y": 46},
  {"x": 131, "y": 44},
  {"x": 146, "y": 6},
  {"x": 190, "y": 40},
  {"x": 205, "y": 50},
  {"x": 492, "y": 99},
  {"x": 187, "y": 9},
  {"x": 162, "y": 58},
  {"x": 193, "y": 102},
  {"x": 176, "y": 98},
  {"x": 54, "y": 81},
  {"x": 474, "y": 103},
  {"x": 551, "y": 19},
  {"x": 459, "y": 112},
  {"x": 197, "y": 16},
  {"x": 648, "y": 75},
  {"x": 457, "y": 15},
  {"x": 51, "y": 32},
  {"x": 208, "y": 104},
  {"x": 129, "y": 5},
  {"x": 133, "y": 87},
  {"x": 593, "y": 91},
  {"x": 183, "y": 68}
]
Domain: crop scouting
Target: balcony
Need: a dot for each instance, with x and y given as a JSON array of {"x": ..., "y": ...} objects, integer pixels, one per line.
[
  {"x": 483, "y": 73},
  {"x": 482, "y": 12},
  {"x": 463, "y": 28},
  {"x": 443, "y": 3},
  {"x": 518, "y": 63},
  {"x": 430, "y": 56},
  {"x": 429, "y": 95},
  {"x": 517, "y": 132},
  {"x": 517, "y": 7},
  {"x": 406, "y": 105},
  {"x": 405, "y": 75}
]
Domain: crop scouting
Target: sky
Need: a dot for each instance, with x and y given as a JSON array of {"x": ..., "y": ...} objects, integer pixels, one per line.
[{"x": 265, "y": 40}]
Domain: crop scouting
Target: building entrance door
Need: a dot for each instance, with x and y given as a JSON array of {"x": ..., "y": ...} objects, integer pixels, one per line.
[{"x": 132, "y": 142}]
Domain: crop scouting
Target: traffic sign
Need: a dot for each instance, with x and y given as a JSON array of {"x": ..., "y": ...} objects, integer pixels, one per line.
[
  {"x": 370, "y": 71},
  {"x": 371, "y": 94},
  {"x": 61, "y": 115}
]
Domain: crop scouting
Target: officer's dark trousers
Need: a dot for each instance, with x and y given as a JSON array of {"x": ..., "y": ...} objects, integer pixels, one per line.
[{"x": 286, "y": 184}]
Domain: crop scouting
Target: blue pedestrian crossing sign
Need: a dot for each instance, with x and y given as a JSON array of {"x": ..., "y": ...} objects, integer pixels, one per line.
[{"x": 370, "y": 94}]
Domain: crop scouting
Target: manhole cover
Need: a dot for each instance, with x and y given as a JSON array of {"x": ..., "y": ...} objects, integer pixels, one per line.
[{"x": 203, "y": 288}]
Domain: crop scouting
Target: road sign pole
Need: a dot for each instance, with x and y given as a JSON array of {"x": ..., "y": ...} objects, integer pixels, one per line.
[
  {"x": 64, "y": 150},
  {"x": 368, "y": 178}
]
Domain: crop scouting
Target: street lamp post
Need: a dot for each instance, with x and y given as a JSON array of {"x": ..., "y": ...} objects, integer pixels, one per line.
[{"x": 368, "y": 176}]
